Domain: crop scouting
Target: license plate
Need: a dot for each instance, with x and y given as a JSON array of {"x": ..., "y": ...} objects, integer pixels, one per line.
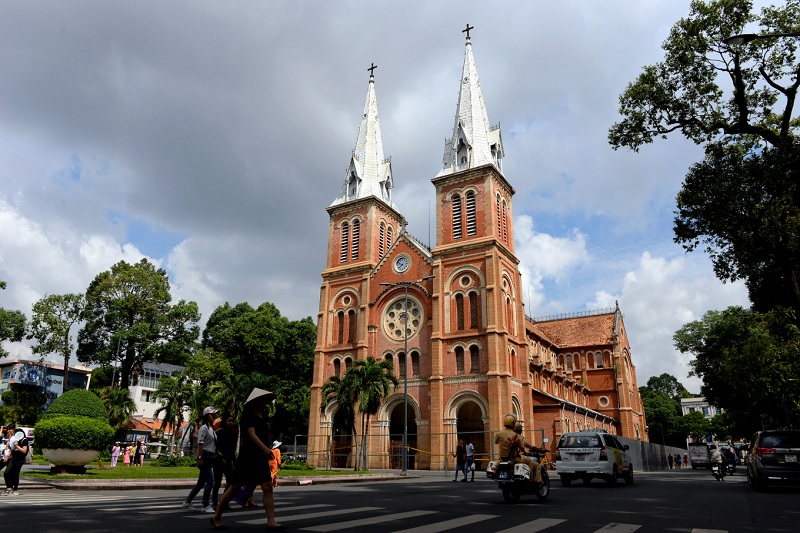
[
  {"x": 579, "y": 457},
  {"x": 790, "y": 458},
  {"x": 502, "y": 475}
]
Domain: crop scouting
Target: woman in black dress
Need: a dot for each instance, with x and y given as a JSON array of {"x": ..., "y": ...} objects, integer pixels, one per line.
[{"x": 252, "y": 465}]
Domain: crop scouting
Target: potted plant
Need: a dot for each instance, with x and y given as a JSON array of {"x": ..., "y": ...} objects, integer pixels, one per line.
[{"x": 73, "y": 431}]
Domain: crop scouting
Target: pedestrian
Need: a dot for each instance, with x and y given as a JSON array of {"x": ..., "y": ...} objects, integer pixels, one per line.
[
  {"x": 670, "y": 459},
  {"x": 5, "y": 457},
  {"x": 206, "y": 456},
  {"x": 471, "y": 458},
  {"x": 142, "y": 451},
  {"x": 686, "y": 460},
  {"x": 252, "y": 464},
  {"x": 19, "y": 450},
  {"x": 461, "y": 458},
  {"x": 275, "y": 462},
  {"x": 135, "y": 453},
  {"x": 115, "y": 449},
  {"x": 677, "y": 461},
  {"x": 126, "y": 456},
  {"x": 227, "y": 435}
]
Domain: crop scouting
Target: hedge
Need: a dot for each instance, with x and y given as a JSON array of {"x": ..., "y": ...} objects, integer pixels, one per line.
[
  {"x": 77, "y": 402},
  {"x": 73, "y": 432}
]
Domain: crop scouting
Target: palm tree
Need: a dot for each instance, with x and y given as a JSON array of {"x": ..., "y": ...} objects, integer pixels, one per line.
[
  {"x": 172, "y": 392},
  {"x": 230, "y": 393},
  {"x": 374, "y": 381},
  {"x": 340, "y": 390},
  {"x": 120, "y": 406}
]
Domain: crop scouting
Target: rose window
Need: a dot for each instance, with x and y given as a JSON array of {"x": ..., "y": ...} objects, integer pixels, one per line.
[{"x": 395, "y": 323}]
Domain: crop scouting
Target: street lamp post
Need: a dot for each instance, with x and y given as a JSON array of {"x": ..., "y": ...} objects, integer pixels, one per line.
[{"x": 405, "y": 284}]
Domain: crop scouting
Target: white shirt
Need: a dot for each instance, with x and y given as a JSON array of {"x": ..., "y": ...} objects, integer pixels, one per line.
[
  {"x": 470, "y": 450},
  {"x": 207, "y": 438}
]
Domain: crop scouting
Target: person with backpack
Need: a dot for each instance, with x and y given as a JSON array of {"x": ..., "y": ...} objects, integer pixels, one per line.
[{"x": 19, "y": 452}]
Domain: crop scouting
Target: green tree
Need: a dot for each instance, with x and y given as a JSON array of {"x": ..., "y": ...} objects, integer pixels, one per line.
[
  {"x": 128, "y": 315},
  {"x": 172, "y": 393},
  {"x": 261, "y": 341},
  {"x": 695, "y": 424},
  {"x": 208, "y": 366},
  {"x": 749, "y": 363},
  {"x": 229, "y": 393},
  {"x": 669, "y": 385},
  {"x": 12, "y": 325},
  {"x": 341, "y": 393},
  {"x": 51, "y": 326},
  {"x": 23, "y": 405},
  {"x": 101, "y": 377},
  {"x": 373, "y": 380},
  {"x": 738, "y": 101},
  {"x": 663, "y": 414},
  {"x": 120, "y": 406}
]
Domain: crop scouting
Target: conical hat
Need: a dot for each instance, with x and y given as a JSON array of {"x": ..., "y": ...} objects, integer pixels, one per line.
[{"x": 258, "y": 393}]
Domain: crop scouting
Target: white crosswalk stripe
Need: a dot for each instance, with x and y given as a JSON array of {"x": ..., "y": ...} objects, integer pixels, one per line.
[
  {"x": 540, "y": 524},
  {"x": 371, "y": 521},
  {"x": 449, "y": 524}
]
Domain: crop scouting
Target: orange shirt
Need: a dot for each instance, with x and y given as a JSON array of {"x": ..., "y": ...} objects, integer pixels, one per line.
[{"x": 275, "y": 463}]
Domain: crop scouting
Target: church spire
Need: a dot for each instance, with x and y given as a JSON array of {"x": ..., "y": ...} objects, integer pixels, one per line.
[
  {"x": 369, "y": 173},
  {"x": 474, "y": 142}
]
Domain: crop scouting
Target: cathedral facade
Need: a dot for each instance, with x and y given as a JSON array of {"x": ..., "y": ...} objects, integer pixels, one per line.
[{"x": 451, "y": 319}]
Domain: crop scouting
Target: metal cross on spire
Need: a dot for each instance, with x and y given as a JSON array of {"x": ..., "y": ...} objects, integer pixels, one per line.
[
  {"x": 467, "y": 30},
  {"x": 372, "y": 70}
]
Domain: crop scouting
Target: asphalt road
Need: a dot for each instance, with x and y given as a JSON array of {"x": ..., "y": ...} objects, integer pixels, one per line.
[{"x": 672, "y": 501}]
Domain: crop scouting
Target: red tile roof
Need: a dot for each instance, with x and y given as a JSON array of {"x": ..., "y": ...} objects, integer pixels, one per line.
[{"x": 580, "y": 331}]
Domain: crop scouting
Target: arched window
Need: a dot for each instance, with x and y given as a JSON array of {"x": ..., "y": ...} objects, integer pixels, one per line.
[
  {"x": 352, "y": 323},
  {"x": 473, "y": 310},
  {"x": 510, "y": 315},
  {"x": 337, "y": 367},
  {"x": 499, "y": 223},
  {"x": 388, "y": 238},
  {"x": 459, "y": 312},
  {"x": 401, "y": 363},
  {"x": 459, "y": 360},
  {"x": 474, "y": 360},
  {"x": 456, "y": 216},
  {"x": 381, "y": 237},
  {"x": 415, "y": 364},
  {"x": 471, "y": 224},
  {"x": 505, "y": 223},
  {"x": 356, "y": 235},
  {"x": 348, "y": 363},
  {"x": 561, "y": 361},
  {"x": 569, "y": 363},
  {"x": 514, "y": 364},
  {"x": 598, "y": 360},
  {"x": 340, "y": 327},
  {"x": 388, "y": 357},
  {"x": 345, "y": 242}
]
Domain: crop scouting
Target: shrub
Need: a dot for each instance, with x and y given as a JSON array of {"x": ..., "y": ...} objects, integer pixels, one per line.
[
  {"x": 172, "y": 460},
  {"x": 73, "y": 432},
  {"x": 77, "y": 402},
  {"x": 294, "y": 464}
]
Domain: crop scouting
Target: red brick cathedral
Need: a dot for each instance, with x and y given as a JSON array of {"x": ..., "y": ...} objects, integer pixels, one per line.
[{"x": 451, "y": 319}]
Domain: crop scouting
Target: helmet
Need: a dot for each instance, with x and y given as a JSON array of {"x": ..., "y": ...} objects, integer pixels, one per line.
[
  {"x": 509, "y": 421},
  {"x": 518, "y": 427}
]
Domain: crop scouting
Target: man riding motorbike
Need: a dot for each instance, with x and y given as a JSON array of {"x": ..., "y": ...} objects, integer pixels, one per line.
[
  {"x": 537, "y": 474},
  {"x": 716, "y": 459},
  {"x": 511, "y": 444}
]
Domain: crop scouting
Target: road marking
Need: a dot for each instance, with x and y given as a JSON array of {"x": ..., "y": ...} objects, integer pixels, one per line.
[
  {"x": 532, "y": 527},
  {"x": 696, "y": 530},
  {"x": 371, "y": 521},
  {"x": 263, "y": 520},
  {"x": 449, "y": 524},
  {"x": 257, "y": 513},
  {"x": 618, "y": 528}
]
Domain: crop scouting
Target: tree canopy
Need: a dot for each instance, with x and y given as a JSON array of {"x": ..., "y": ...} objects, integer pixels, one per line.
[
  {"x": 129, "y": 316},
  {"x": 661, "y": 399},
  {"x": 738, "y": 101},
  {"x": 749, "y": 363},
  {"x": 51, "y": 326},
  {"x": 12, "y": 325}
]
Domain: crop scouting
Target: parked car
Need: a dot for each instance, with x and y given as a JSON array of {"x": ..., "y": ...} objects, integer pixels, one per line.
[
  {"x": 773, "y": 457},
  {"x": 593, "y": 454}
]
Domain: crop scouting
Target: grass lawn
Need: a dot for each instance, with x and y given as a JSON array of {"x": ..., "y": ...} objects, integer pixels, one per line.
[{"x": 161, "y": 472}]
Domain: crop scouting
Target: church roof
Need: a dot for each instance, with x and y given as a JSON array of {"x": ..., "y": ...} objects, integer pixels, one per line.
[
  {"x": 369, "y": 173},
  {"x": 580, "y": 331},
  {"x": 474, "y": 142}
]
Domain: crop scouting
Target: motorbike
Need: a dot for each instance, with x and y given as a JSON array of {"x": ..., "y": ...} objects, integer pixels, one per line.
[
  {"x": 730, "y": 469},
  {"x": 717, "y": 472},
  {"x": 516, "y": 479}
]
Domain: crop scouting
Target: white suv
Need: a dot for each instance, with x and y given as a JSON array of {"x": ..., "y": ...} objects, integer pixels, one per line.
[{"x": 588, "y": 454}]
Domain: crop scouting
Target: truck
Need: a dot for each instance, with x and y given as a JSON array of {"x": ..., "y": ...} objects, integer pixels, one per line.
[{"x": 698, "y": 455}]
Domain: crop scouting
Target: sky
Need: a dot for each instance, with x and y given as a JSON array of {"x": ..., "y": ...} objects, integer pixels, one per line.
[{"x": 210, "y": 137}]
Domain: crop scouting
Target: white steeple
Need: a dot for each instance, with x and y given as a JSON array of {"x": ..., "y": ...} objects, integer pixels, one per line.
[
  {"x": 474, "y": 142},
  {"x": 369, "y": 173}
]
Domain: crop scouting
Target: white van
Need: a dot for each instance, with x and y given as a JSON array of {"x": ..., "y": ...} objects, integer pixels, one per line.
[{"x": 593, "y": 454}]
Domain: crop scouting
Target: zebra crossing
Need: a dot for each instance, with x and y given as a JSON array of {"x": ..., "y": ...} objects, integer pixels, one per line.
[{"x": 300, "y": 515}]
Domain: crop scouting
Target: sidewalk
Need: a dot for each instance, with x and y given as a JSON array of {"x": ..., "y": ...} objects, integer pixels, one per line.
[{"x": 187, "y": 483}]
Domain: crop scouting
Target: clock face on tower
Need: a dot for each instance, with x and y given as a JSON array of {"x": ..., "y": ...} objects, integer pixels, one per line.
[{"x": 402, "y": 263}]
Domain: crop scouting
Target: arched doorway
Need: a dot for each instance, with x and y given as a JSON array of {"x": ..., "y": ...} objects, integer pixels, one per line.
[
  {"x": 396, "y": 437},
  {"x": 341, "y": 441},
  {"x": 469, "y": 426}
]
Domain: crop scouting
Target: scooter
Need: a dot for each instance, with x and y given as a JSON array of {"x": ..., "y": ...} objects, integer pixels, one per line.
[
  {"x": 717, "y": 472},
  {"x": 730, "y": 469},
  {"x": 516, "y": 479}
]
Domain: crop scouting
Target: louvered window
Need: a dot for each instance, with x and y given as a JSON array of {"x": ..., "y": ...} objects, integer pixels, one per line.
[
  {"x": 351, "y": 323},
  {"x": 356, "y": 234},
  {"x": 459, "y": 312},
  {"x": 381, "y": 236},
  {"x": 475, "y": 360},
  {"x": 388, "y": 238},
  {"x": 473, "y": 310},
  {"x": 499, "y": 224},
  {"x": 471, "y": 226},
  {"x": 345, "y": 242},
  {"x": 456, "y": 216},
  {"x": 505, "y": 223},
  {"x": 459, "y": 360}
]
